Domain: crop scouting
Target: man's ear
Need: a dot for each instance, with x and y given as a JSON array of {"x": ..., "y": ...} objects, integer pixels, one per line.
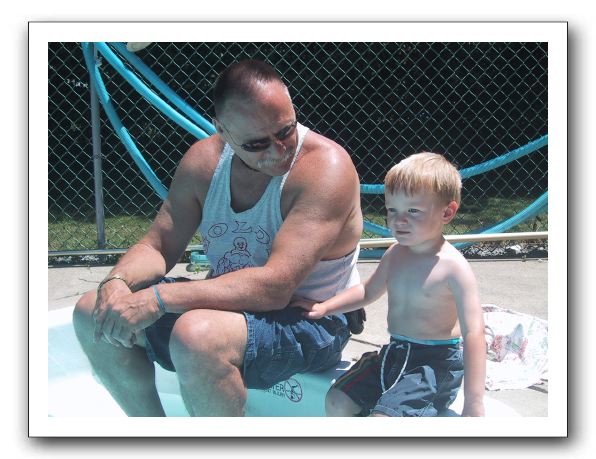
[
  {"x": 450, "y": 212},
  {"x": 217, "y": 125}
]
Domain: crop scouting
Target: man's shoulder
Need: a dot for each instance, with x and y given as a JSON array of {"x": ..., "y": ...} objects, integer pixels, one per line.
[
  {"x": 206, "y": 149},
  {"x": 319, "y": 145},
  {"x": 202, "y": 157},
  {"x": 323, "y": 177},
  {"x": 197, "y": 166},
  {"x": 324, "y": 161}
]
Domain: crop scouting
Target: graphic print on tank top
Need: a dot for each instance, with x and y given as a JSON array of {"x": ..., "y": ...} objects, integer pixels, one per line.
[{"x": 241, "y": 241}]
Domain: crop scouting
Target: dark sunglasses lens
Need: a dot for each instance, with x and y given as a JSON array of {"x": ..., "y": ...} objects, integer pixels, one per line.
[
  {"x": 284, "y": 134},
  {"x": 287, "y": 131},
  {"x": 255, "y": 148}
]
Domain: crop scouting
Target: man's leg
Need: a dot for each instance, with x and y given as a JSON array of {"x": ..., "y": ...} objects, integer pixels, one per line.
[
  {"x": 207, "y": 348},
  {"x": 126, "y": 373}
]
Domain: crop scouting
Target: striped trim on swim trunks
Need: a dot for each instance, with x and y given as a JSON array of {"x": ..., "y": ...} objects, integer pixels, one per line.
[
  {"x": 426, "y": 342},
  {"x": 361, "y": 370}
]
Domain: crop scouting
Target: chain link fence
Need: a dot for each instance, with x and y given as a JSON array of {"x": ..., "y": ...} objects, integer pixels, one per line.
[{"x": 381, "y": 101}]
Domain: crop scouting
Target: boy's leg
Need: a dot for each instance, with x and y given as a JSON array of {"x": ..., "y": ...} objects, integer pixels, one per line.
[
  {"x": 429, "y": 383},
  {"x": 356, "y": 392},
  {"x": 337, "y": 403}
]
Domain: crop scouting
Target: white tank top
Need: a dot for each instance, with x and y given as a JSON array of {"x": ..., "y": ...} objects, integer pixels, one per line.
[{"x": 236, "y": 240}]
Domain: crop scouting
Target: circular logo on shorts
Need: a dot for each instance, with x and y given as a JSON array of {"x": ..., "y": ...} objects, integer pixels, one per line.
[{"x": 293, "y": 390}]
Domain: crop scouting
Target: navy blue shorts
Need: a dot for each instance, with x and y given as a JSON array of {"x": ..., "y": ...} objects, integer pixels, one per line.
[
  {"x": 429, "y": 381},
  {"x": 279, "y": 345}
]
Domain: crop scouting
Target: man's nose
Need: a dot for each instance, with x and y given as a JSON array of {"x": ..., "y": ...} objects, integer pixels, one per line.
[{"x": 278, "y": 147}]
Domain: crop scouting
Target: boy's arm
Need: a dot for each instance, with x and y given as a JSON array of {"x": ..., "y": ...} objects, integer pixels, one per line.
[
  {"x": 350, "y": 299},
  {"x": 465, "y": 289}
]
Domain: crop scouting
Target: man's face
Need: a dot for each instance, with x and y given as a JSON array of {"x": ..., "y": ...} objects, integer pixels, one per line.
[{"x": 262, "y": 130}]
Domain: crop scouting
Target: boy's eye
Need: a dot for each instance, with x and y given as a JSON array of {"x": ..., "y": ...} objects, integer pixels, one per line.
[{"x": 413, "y": 211}]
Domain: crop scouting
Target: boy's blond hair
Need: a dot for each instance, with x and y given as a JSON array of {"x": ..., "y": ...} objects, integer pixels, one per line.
[{"x": 425, "y": 172}]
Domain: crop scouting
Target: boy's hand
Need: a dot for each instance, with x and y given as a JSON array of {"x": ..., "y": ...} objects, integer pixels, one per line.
[
  {"x": 313, "y": 310},
  {"x": 473, "y": 409}
]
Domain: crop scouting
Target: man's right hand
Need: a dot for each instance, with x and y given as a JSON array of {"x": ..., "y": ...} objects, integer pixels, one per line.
[{"x": 109, "y": 292}]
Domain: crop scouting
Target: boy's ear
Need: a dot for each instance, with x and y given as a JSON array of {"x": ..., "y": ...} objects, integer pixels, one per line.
[{"x": 450, "y": 212}]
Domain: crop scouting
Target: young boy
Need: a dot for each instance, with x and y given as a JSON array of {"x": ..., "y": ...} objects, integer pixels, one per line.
[{"x": 433, "y": 301}]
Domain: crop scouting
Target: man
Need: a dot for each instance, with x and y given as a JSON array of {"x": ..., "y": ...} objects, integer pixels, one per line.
[{"x": 278, "y": 207}]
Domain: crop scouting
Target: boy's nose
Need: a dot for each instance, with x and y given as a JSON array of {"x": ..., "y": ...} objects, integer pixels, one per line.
[{"x": 401, "y": 218}]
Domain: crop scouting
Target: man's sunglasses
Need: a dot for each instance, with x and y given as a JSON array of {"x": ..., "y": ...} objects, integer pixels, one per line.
[{"x": 262, "y": 144}]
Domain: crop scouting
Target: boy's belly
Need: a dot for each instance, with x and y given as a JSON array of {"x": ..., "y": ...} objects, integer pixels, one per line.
[{"x": 437, "y": 325}]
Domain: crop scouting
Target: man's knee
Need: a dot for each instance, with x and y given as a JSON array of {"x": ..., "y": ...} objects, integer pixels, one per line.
[
  {"x": 82, "y": 316},
  {"x": 207, "y": 336},
  {"x": 194, "y": 333}
]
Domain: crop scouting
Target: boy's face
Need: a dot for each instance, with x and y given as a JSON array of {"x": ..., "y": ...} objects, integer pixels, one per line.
[{"x": 416, "y": 219}]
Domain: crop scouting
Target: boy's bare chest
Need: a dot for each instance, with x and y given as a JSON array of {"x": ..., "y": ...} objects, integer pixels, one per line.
[{"x": 419, "y": 285}]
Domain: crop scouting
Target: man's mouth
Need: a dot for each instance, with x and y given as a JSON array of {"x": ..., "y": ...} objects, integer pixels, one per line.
[{"x": 274, "y": 162}]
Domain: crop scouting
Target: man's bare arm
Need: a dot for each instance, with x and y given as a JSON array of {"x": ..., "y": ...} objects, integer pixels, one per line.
[
  {"x": 152, "y": 257},
  {"x": 324, "y": 194},
  {"x": 176, "y": 222}
]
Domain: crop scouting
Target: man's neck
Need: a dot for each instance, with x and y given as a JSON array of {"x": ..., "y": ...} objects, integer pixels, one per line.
[{"x": 246, "y": 165}]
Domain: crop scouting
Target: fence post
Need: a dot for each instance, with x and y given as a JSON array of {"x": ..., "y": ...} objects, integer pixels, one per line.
[{"x": 97, "y": 172}]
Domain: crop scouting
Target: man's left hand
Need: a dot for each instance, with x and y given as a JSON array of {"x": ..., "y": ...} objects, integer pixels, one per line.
[{"x": 122, "y": 315}]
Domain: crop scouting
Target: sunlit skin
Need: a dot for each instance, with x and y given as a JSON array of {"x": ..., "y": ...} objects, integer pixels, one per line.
[
  {"x": 418, "y": 270},
  {"x": 264, "y": 119},
  {"x": 322, "y": 220},
  {"x": 432, "y": 292},
  {"x": 417, "y": 220}
]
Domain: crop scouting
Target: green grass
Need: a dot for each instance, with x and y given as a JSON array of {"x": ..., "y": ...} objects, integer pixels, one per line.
[
  {"x": 71, "y": 233},
  {"x": 121, "y": 232}
]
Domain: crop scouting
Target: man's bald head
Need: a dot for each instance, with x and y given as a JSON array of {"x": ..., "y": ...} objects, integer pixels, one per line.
[{"x": 242, "y": 80}]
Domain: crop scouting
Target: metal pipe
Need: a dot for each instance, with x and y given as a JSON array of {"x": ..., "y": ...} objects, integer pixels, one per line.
[
  {"x": 387, "y": 241},
  {"x": 78, "y": 253},
  {"x": 97, "y": 169},
  {"x": 364, "y": 243}
]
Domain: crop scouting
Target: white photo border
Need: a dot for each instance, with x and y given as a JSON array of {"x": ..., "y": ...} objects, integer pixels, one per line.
[{"x": 554, "y": 33}]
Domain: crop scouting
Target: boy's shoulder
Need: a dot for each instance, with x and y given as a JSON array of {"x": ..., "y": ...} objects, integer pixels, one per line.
[
  {"x": 454, "y": 261},
  {"x": 450, "y": 252}
]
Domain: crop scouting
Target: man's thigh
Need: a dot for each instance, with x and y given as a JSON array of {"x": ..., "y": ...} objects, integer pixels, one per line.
[
  {"x": 282, "y": 343},
  {"x": 276, "y": 344}
]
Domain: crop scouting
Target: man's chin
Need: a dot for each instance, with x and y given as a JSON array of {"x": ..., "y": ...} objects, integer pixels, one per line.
[
  {"x": 277, "y": 168},
  {"x": 274, "y": 171}
]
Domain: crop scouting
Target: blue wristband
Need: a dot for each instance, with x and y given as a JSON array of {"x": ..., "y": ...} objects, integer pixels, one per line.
[{"x": 162, "y": 307}]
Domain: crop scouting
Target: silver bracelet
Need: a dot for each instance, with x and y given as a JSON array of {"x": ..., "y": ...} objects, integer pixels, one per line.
[{"x": 111, "y": 278}]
